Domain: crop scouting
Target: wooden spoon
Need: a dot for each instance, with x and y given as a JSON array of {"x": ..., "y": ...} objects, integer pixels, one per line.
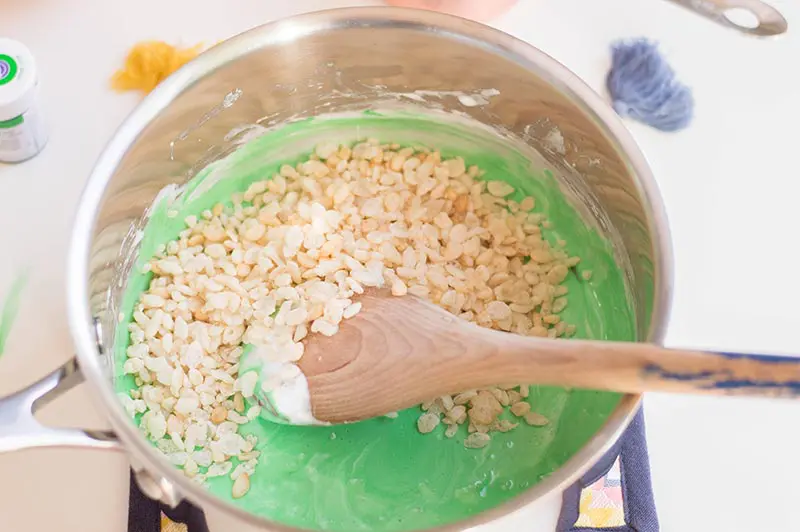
[{"x": 400, "y": 351}]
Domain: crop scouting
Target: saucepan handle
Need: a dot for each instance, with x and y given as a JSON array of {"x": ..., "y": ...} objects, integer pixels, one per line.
[
  {"x": 766, "y": 20},
  {"x": 20, "y": 430}
]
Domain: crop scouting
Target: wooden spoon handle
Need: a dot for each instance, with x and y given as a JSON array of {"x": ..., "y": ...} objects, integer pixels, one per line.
[
  {"x": 639, "y": 367},
  {"x": 406, "y": 351}
]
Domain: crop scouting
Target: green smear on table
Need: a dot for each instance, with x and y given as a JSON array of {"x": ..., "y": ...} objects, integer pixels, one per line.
[
  {"x": 10, "y": 308},
  {"x": 381, "y": 474}
]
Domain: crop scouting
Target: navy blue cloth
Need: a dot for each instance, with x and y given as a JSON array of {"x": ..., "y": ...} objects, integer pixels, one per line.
[
  {"x": 144, "y": 514},
  {"x": 637, "y": 490}
]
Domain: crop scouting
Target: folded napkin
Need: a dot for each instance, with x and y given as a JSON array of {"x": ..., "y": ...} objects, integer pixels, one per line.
[{"x": 615, "y": 495}]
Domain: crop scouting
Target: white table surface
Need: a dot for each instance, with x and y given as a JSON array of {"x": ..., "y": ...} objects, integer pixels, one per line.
[{"x": 730, "y": 184}]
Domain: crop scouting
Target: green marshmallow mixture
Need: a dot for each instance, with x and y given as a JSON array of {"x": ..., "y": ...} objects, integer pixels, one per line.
[{"x": 382, "y": 474}]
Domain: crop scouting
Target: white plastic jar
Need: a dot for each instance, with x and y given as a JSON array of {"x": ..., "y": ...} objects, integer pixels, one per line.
[{"x": 22, "y": 130}]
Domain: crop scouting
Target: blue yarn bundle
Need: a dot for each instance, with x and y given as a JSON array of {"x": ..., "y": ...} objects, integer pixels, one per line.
[{"x": 643, "y": 87}]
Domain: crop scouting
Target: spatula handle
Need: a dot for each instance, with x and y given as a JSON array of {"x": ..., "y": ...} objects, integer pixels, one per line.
[{"x": 768, "y": 20}]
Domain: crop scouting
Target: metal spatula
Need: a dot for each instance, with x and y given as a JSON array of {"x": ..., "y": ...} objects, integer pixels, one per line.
[{"x": 748, "y": 16}]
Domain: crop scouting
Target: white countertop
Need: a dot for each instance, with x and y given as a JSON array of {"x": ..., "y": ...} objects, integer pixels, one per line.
[{"x": 729, "y": 182}]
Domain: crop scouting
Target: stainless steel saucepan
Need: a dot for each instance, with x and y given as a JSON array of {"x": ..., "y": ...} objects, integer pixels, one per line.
[{"x": 304, "y": 66}]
